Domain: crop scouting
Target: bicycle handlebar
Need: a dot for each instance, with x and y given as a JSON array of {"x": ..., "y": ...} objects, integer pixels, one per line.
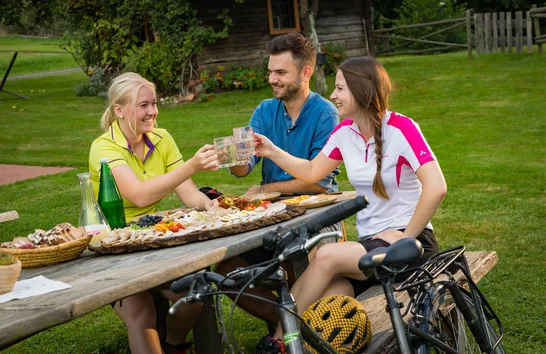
[
  {"x": 280, "y": 239},
  {"x": 296, "y": 246},
  {"x": 183, "y": 284},
  {"x": 239, "y": 278},
  {"x": 337, "y": 213}
]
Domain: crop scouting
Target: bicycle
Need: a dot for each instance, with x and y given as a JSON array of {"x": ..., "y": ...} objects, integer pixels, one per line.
[
  {"x": 429, "y": 300},
  {"x": 287, "y": 245},
  {"x": 445, "y": 318}
]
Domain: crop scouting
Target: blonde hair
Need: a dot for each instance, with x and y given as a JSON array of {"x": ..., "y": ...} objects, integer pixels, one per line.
[
  {"x": 123, "y": 89},
  {"x": 371, "y": 87}
]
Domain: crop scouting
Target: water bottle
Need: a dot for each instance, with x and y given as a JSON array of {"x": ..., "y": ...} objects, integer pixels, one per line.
[
  {"x": 91, "y": 215},
  {"x": 110, "y": 200}
]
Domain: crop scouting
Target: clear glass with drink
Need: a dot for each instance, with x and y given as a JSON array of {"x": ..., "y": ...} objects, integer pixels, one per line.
[
  {"x": 244, "y": 143},
  {"x": 224, "y": 148}
]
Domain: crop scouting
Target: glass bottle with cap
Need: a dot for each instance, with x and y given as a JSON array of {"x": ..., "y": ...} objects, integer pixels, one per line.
[
  {"x": 110, "y": 200},
  {"x": 91, "y": 216}
]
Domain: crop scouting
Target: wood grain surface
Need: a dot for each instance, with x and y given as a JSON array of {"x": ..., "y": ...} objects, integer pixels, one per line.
[{"x": 98, "y": 280}]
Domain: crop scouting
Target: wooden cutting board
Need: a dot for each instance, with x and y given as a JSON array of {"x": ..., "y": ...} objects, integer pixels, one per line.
[{"x": 346, "y": 196}]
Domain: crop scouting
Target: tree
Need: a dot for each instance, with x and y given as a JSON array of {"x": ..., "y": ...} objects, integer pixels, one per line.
[
  {"x": 29, "y": 16},
  {"x": 119, "y": 35}
]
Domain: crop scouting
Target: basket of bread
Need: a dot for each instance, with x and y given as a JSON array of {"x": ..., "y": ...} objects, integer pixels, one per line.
[{"x": 62, "y": 243}]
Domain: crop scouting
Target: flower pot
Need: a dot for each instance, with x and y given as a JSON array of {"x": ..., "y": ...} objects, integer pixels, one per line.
[
  {"x": 8, "y": 276},
  {"x": 321, "y": 58}
]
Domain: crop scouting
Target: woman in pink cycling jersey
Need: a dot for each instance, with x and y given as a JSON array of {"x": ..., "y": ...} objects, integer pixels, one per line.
[{"x": 387, "y": 159}]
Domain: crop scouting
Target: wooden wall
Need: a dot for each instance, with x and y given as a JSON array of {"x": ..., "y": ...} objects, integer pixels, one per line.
[
  {"x": 245, "y": 45},
  {"x": 338, "y": 22}
]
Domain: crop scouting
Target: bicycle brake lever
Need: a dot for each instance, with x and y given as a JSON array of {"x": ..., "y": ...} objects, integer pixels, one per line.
[{"x": 173, "y": 308}]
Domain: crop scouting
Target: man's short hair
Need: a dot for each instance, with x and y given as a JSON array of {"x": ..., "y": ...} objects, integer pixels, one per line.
[{"x": 302, "y": 49}]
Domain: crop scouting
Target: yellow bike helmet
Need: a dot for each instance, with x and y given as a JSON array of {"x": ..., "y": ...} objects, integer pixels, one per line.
[{"x": 342, "y": 321}]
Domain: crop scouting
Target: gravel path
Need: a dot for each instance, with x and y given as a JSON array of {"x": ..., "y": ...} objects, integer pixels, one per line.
[{"x": 48, "y": 73}]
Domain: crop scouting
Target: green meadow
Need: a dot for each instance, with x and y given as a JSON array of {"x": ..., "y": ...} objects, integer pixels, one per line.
[{"x": 485, "y": 119}]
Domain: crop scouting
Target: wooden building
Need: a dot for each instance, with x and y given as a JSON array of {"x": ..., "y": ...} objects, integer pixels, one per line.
[{"x": 255, "y": 22}]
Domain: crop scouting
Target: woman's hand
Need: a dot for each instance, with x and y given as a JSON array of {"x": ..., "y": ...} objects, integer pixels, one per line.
[
  {"x": 264, "y": 146},
  {"x": 390, "y": 236},
  {"x": 205, "y": 159},
  {"x": 210, "y": 204}
]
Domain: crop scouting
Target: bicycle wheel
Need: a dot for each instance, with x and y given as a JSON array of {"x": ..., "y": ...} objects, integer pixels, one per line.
[{"x": 440, "y": 317}]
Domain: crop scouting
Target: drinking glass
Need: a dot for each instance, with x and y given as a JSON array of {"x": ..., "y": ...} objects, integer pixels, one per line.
[
  {"x": 244, "y": 142},
  {"x": 226, "y": 151}
]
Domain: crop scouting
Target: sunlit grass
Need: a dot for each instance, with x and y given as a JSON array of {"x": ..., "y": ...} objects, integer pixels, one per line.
[
  {"x": 35, "y": 56},
  {"x": 483, "y": 118}
]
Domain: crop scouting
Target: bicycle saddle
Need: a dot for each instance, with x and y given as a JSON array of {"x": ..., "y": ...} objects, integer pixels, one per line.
[{"x": 403, "y": 251}]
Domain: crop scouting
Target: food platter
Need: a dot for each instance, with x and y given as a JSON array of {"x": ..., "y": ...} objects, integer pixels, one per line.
[
  {"x": 186, "y": 226},
  {"x": 161, "y": 213},
  {"x": 311, "y": 201},
  {"x": 265, "y": 196}
]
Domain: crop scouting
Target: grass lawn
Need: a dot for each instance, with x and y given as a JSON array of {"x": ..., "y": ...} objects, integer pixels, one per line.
[
  {"x": 35, "y": 55},
  {"x": 483, "y": 118}
]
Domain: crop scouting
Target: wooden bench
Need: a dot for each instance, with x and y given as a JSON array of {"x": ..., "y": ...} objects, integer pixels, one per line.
[
  {"x": 8, "y": 216},
  {"x": 373, "y": 299}
]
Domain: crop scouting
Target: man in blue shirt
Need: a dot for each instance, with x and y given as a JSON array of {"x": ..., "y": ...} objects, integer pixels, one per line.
[{"x": 298, "y": 121}]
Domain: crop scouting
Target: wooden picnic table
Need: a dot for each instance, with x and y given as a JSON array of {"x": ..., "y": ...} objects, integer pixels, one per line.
[{"x": 98, "y": 280}]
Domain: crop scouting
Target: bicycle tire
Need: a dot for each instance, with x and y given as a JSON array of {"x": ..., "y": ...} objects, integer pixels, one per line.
[{"x": 440, "y": 317}]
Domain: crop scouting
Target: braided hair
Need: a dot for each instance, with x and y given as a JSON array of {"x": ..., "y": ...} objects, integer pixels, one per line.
[{"x": 370, "y": 86}]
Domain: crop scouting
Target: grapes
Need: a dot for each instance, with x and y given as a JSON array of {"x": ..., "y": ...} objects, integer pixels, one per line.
[{"x": 149, "y": 220}]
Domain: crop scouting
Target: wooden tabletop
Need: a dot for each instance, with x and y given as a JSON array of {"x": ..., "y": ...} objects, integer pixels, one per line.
[{"x": 98, "y": 280}]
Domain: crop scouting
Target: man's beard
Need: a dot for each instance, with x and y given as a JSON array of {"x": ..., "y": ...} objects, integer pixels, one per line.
[{"x": 290, "y": 91}]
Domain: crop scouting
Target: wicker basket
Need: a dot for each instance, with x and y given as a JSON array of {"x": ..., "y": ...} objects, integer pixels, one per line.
[{"x": 38, "y": 257}]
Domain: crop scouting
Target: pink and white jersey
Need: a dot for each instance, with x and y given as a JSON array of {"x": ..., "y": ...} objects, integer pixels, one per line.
[{"x": 404, "y": 151}]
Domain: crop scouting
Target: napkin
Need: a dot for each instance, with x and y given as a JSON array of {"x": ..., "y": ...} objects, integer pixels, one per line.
[{"x": 31, "y": 287}]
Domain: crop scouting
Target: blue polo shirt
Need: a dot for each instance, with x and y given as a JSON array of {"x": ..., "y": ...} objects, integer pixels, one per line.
[{"x": 305, "y": 139}]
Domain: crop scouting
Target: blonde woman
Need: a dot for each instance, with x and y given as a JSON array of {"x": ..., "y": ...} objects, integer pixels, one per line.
[
  {"x": 387, "y": 159},
  {"x": 147, "y": 166}
]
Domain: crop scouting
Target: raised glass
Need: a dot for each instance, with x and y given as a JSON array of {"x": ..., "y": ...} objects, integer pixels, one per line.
[
  {"x": 226, "y": 151},
  {"x": 244, "y": 143}
]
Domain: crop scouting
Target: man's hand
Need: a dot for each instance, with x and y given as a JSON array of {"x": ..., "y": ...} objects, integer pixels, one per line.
[
  {"x": 253, "y": 190},
  {"x": 389, "y": 235}
]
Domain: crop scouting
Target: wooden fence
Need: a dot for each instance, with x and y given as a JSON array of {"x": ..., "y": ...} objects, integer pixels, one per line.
[
  {"x": 486, "y": 32},
  {"x": 505, "y": 31},
  {"x": 386, "y": 35}
]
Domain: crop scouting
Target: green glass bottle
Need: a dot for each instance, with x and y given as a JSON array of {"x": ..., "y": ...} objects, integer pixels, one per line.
[{"x": 110, "y": 200}]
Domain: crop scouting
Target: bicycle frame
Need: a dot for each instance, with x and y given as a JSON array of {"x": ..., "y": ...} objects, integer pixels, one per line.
[
  {"x": 400, "y": 326},
  {"x": 294, "y": 334},
  {"x": 477, "y": 327}
]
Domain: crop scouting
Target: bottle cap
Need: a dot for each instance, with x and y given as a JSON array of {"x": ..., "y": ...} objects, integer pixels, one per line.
[{"x": 104, "y": 160}]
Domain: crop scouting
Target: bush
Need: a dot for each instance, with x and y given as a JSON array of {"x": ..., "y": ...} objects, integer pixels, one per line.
[
  {"x": 236, "y": 78},
  {"x": 335, "y": 55},
  {"x": 155, "y": 62},
  {"x": 97, "y": 85},
  {"x": 121, "y": 36}
]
